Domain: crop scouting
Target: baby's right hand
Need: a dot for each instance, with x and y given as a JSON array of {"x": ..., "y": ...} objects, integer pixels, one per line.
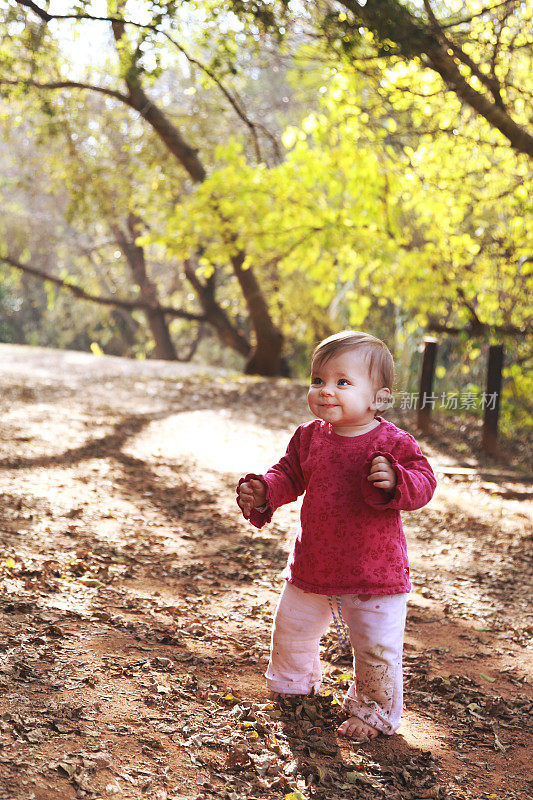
[{"x": 251, "y": 494}]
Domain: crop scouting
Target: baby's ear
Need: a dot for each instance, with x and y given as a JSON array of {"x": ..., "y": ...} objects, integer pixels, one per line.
[{"x": 383, "y": 399}]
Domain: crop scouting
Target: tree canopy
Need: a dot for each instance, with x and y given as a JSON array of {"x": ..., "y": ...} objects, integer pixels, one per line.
[{"x": 267, "y": 173}]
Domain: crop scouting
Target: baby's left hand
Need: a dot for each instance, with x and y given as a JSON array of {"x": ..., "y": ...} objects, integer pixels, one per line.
[{"x": 382, "y": 474}]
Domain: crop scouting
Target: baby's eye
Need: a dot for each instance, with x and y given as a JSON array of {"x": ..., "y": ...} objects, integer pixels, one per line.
[
  {"x": 316, "y": 381},
  {"x": 343, "y": 382}
]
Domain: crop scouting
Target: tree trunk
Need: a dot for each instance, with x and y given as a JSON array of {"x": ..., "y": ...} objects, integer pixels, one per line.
[
  {"x": 156, "y": 319},
  {"x": 215, "y": 315},
  {"x": 266, "y": 357}
]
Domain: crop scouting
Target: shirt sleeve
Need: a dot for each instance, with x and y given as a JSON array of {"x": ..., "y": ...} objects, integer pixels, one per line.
[
  {"x": 415, "y": 479},
  {"x": 284, "y": 482}
]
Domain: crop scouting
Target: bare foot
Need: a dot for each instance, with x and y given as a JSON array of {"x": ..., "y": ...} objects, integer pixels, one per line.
[{"x": 355, "y": 728}]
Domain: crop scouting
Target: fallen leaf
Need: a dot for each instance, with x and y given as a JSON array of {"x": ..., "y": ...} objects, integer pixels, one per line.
[
  {"x": 430, "y": 793},
  {"x": 94, "y": 582},
  {"x": 54, "y": 630},
  {"x": 323, "y": 775},
  {"x": 359, "y": 777},
  {"x": 154, "y": 744},
  {"x": 67, "y": 767},
  {"x": 237, "y": 758},
  {"x": 344, "y": 676},
  {"x": 230, "y": 698}
]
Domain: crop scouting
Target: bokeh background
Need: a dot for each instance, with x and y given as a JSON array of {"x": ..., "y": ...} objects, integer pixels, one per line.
[{"x": 229, "y": 182}]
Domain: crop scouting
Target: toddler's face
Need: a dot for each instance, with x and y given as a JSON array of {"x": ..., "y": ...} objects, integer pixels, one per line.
[{"x": 342, "y": 392}]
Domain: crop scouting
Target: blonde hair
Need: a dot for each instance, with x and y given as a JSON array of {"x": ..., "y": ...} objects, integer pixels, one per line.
[{"x": 374, "y": 351}]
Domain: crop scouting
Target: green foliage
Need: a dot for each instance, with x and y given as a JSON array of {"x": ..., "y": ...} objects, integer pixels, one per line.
[
  {"x": 391, "y": 206},
  {"x": 355, "y": 212},
  {"x": 517, "y": 407},
  {"x": 370, "y": 215}
]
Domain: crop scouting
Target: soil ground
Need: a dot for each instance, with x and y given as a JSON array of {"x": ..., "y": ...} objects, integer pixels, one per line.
[{"x": 135, "y": 602}]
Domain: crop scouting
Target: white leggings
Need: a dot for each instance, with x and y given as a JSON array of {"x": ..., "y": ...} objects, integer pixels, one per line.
[{"x": 376, "y": 626}]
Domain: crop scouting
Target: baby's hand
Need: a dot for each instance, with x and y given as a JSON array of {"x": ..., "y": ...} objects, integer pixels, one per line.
[
  {"x": 251, "y": 494},
  {"x": 382, "y": 474}
]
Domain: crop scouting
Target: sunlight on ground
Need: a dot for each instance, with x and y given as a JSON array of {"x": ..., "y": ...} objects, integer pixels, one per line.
[
  {"x": 419, "y": 731},
  {"x": 218, "y": 441},
  {"x": 32, "y": 425},
  {"x": 80, "y": 601},
  {"x": 476, "y": 503},
  {"x": 62, "y": 366}
]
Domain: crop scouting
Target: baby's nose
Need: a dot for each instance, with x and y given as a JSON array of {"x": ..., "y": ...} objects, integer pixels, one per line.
[{"x": 326, "y": 389}]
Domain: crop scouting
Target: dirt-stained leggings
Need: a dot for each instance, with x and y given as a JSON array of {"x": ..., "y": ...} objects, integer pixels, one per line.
[{"x": 376, "y": 624}]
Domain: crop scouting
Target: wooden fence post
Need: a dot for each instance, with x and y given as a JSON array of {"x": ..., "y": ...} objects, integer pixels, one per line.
[
  {"x": 491, "y": 399},
  {"x": 426, "y": 399}
]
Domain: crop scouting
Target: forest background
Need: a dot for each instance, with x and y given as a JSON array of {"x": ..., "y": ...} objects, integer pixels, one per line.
[{"x": 232, "y": 181}]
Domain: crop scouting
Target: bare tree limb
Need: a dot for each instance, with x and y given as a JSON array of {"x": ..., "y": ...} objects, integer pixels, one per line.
[
  {"x": 252, "y": 126},
  {"x": 44, "y": 15},
  {"x": 132, "y": 305},
  {"x": 229, "y": 97},
  {"x": 67, "y": 85},
  {"x": 214, "y": 314},
  {"x": 453, "y": 23},
  {"x": 481, "y": 330},
  {"x": 159, "y": 121},
  {"x": 193, "y": 347}
]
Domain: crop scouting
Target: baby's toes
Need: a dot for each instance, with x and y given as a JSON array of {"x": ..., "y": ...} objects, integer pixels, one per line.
[
  {"x": 356, "y": 729},
  {"x": 350, "y": 727}
]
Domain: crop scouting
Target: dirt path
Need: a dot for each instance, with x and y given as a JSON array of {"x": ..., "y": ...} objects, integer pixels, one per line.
[{"x": 135, "y": 604}]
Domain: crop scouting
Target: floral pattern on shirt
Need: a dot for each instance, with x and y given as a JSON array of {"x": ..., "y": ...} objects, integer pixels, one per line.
[{"x": 351, "y": 539}]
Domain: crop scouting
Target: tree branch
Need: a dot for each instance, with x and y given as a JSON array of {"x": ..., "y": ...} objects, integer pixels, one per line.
[
  {"x": 229, "y": 97},
  {"x": 393, "y": 21},
  {"x": 67, "y": 85},
  {"x": 488, "y": 81},
  {"x": 252, "y": 126},
  {"x": 476, "y": 326},
  {"x": 484, "y": 328},
  {"x": 158, "y": 120},
  {"x": 131, "y": 305},
  {"x": 44, "y": 15},
  {"x": 214, "y": 314},
  {"x": 193, "y": 347},
  {"x": 450, "y": 23}
]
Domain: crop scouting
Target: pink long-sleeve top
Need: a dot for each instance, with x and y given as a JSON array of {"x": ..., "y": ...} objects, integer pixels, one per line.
[{"x": 351, "y": 539}]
